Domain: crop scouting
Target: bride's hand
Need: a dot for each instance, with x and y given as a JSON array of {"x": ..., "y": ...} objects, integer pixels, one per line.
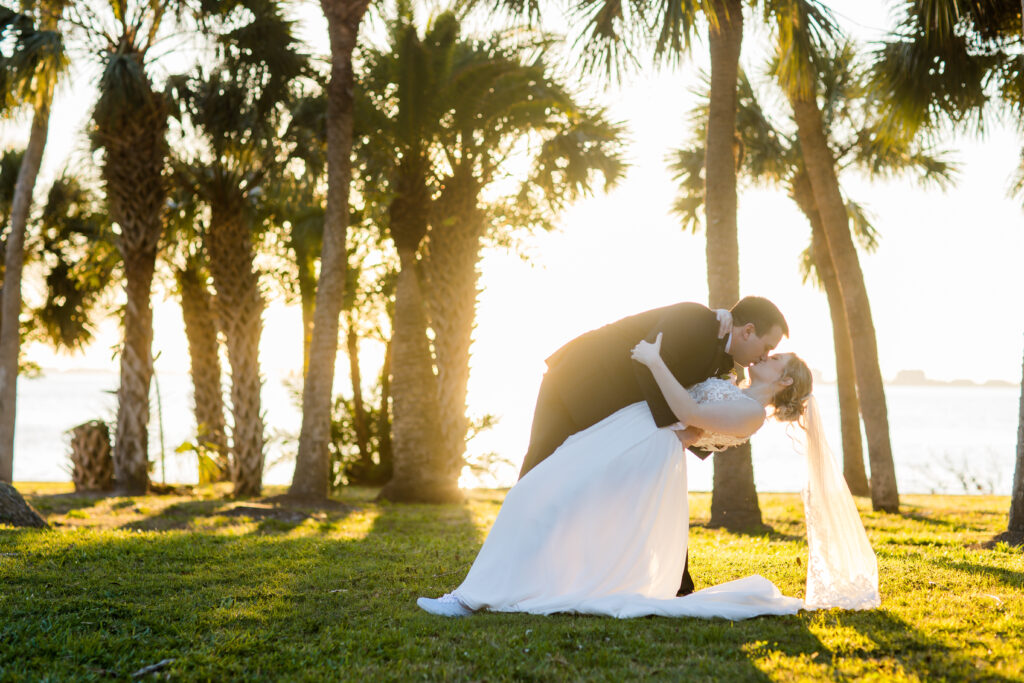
[
  {"x": 647, "y": 353},
  {"x": 724, "y": 322}
]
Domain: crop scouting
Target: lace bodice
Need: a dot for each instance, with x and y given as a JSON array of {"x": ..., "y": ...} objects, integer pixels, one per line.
[{"x": 715, "y": 390}]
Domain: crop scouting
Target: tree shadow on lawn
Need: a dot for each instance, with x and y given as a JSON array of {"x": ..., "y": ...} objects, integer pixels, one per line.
[
  {"x": 917, "y": 654},
  {"x": 1008, "y": 577},
  {"x": 274, "y": 515},
  {"x": 274, "y": 606},
  {"x": 763, "y": 531},
  {"x": 933, "y": 520},
  {"x": 48, "y": 504},
  {"x": 115, "y": 603},
  {"x": 372, "y": 624}
]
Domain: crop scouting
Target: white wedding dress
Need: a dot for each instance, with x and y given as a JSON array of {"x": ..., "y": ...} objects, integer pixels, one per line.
[{"x": 600, "y": 527}]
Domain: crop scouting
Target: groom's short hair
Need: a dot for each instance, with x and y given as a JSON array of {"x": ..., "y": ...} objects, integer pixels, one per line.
[{"x": 763, "y": 313}]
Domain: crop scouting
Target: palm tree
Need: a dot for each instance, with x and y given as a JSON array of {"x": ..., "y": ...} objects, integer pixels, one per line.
[
  {"x": 295, "y": 202},
  {"x": 239, "y": 112},
  {"x": 820, "y": 260},
  {"x": 770, "y": 155},
  {"x": 10, "y": 162},
  {"x": 419, "y": 70},
  {"x": 187, "y": 259},
  {"x": 28, "y": 78},
  {"x": 734, "y": 498},
  {"x": 496, "y": 103},
  {"x": 129, "y": 126},
  {"x": 311, "y": 479},
  {"x": 798, "y": 68},
  {"x": 1015, "y": 527},
  {"x": 201, "y": 331},
  {"x": 955, "y": 62},
  {"x": 459, "y": 108}
]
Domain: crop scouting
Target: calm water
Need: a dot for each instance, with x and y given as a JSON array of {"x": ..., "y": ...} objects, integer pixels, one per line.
[{"x": 945, "y": 439}]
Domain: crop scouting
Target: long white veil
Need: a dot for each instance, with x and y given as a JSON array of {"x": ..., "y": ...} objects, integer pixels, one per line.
[{"x": 841, "y": 568}]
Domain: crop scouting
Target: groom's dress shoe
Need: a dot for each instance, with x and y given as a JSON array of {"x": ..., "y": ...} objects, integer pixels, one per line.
[{"x": 445, "y": 606}]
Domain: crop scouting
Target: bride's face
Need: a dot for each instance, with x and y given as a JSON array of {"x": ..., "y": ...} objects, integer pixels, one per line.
[{"x": 770, "y": 369}]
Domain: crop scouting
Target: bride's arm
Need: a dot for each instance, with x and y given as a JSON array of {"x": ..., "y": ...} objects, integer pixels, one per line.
[{"x": 734, "y": 418}]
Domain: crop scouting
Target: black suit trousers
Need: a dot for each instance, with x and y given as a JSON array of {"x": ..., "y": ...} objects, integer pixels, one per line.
[{"x": 552, "y": 424}]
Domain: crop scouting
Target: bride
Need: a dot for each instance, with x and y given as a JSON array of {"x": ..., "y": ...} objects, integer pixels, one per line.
[{"x": 601, "y": 526}]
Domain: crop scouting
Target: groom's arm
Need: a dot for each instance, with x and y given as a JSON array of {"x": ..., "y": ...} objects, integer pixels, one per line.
[{"x": 689, "y": 343}]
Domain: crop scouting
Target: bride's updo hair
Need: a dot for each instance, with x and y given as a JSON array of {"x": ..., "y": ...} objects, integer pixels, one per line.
[{"x": 791, "y": 401}]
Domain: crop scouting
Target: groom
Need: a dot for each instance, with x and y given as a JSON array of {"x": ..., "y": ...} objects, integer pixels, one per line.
[{"x": 593, "y": 375}]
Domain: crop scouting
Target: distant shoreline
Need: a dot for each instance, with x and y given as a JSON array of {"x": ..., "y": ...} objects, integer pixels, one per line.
[
  {"x": 917, "y": 378},
  {"x": 904, "y": 378}
]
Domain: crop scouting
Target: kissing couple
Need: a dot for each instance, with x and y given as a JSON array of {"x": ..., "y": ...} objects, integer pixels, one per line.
[{"x": 599, "y": 520}]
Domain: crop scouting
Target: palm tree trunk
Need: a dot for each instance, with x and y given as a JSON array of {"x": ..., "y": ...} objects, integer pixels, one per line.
[
  {"x": 135, "y": 148},
  {"x": 239, "y": 308},
  {"x": 305, "y": 262},
  {"x": 204, "y": 352},
  {"x": 734, "y": 502},
  {"x": 1015, "y": 528},
  {"x": 10, "y": 304},
  {"x": 131, "y": 447},
  {"x": 420, "y": 471},
  {"x": 820, "y": 167},
  {"x": 385, "y": 451},
  {"x": 453, "y": 249},
  {"x": 359, "y": 419},
  {"x": 311, "y": 478},
  {"x": 846, "y": 379}
]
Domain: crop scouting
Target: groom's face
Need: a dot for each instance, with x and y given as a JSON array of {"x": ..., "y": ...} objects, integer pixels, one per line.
[{"x": 748, "y": 347}]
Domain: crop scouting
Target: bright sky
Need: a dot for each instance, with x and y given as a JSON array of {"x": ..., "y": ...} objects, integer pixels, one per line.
[{"x": 945, "y": 284}]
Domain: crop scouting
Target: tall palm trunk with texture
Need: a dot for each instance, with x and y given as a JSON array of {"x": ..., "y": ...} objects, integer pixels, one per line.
[
  {"x": 360, "y": 420},
  {"x": 307, "y": 300},
  {"x": 135, "y": 149},
  {"x": 453, "y": 249},
  {"x": 820, "y": 165},
  {"x": 311, "y": 478},
  {"x": 201, "y": 330},
  {"x": 10, "y": 302},
  {"x": 1015, "y": 527},
  {"x": 239, "y": 308},
  {"x": 420, "y": 468},
  {"x": 734, "y": 499},
  {"x": 846, "y": 379},
  {"x": 385, "y": 451}
]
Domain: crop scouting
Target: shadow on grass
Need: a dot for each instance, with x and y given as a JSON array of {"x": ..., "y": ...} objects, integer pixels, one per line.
[
  {"x": 274, "y": 515},
  {"x": 763, "y": 531},
  {"x": 1009, "y": 577},
  {"x": 332, "y": 606},
  {"x": 63, "y": 503},
  {"x": 421, "y": 550},
  {"x": 951, "y": 524},
  {"x": 918, "y": 655}
]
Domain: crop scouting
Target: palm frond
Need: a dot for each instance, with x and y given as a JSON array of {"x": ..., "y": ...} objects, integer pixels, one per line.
[
  {"x": 687, "y": 167},
  {"x": 862, "y": 225},
  {"x": 80, "y": 255},
  {"x": 804, "y": 33},
  {"x": 31, "y": 61}
]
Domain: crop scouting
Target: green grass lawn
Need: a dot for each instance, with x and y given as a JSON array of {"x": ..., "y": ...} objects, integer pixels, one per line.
[{"x": 250, "y": 590}]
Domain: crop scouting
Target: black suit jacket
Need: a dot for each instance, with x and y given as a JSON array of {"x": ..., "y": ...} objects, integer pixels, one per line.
[{"x": 595, "y": 375}]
